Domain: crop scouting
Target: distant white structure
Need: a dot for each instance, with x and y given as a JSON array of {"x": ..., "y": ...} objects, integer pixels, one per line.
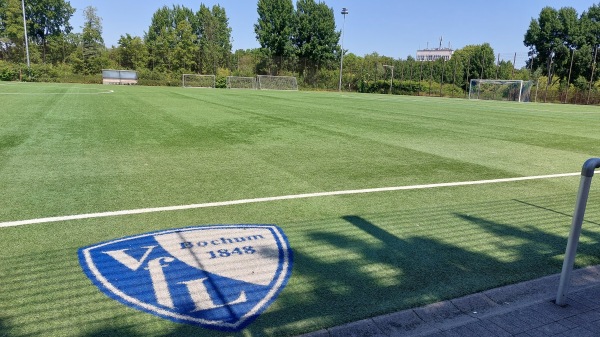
[
  {"x": 112, "y": 76},
  {"x": 435, "y": 53}
]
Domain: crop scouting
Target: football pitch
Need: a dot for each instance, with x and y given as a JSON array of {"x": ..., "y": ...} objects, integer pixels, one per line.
[{"x": 387, "y": 202}]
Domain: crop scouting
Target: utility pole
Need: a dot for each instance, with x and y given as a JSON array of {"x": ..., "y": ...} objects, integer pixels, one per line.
[
  {"x": 26, "y": 38},
  {"x": 344, "y": 12},
  {"x": 392, "y": 79}
]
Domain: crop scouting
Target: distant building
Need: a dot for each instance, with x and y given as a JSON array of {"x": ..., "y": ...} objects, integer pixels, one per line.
[{"x": 435, "y": 53}]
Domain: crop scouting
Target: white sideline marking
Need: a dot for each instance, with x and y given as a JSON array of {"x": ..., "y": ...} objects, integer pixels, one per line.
[
  {"x": 57, "y": 93},
  {"x": 268, "y": 199}
]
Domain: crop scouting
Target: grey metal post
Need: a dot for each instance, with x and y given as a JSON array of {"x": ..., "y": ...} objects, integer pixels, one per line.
[
  {"x": 587, "y": 173},
  {"x": 25, "y": 29},
  {"x": 344, "y": 12}
]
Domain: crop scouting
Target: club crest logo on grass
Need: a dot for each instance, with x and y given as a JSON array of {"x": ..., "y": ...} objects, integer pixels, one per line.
[{"x": 217, "y": 277}]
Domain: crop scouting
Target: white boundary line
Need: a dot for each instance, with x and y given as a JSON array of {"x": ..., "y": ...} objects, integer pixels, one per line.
[
  {"x": 269, "y": 199},
  {"x": 57, "y": 93}
]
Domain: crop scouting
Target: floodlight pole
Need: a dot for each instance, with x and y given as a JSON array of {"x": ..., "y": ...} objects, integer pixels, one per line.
[
  {"x": 25, "y": 28},
  {"x": 392, "y": 79},
  {"x": 344, "y": 12}
]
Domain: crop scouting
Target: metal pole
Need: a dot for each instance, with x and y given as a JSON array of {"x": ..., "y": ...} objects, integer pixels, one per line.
[
  {"x": 587, "y": 173},
  {"x": 25, "y": 28},
  {"x": 392, "y": 79},
  {"x": 592, "y": 76},
  {"x": 442, "y": 79},
  {"x": 512, "y": 75},
  {"x": 344, "y": 12},
  {"x": 569, "y": 79}
]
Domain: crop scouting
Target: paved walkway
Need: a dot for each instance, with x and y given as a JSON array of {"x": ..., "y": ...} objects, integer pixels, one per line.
[{"x": 523, "y": 310}]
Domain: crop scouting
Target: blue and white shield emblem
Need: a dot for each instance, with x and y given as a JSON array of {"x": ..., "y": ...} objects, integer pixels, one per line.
[{"x": 217, "y": 277}]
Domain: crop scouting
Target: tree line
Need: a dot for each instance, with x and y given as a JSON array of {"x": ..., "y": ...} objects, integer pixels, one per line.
[
  {"x": 563, "y": 45},
  {"x": 178, "y": 40},
  {"x": 295, "y": 39}
]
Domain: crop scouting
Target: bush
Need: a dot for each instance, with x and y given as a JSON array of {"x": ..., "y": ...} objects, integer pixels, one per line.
[{"x": 9, "y": 71}]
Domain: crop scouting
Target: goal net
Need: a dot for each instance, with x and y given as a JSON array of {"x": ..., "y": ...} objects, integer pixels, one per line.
[
  {"x": 237, "y": 82},
  {"x": 501, "y": 90},
  {"x": 198, "y": 81},
  {"x": 267, "y": 82}
]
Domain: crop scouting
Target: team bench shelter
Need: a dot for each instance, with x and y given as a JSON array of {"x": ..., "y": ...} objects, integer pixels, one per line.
[{"x": 111, "y": 76}]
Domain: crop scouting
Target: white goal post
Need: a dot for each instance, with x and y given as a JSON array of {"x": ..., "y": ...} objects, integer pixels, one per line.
[
  {"x": 268, "y": 82},
  {"x": 239, "y": 82},
  {"x": 198, "y": 81},
  {"x": 500, "y": 90}
]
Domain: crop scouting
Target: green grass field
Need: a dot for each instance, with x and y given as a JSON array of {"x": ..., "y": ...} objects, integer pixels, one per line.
[{"x": 75, "y": 149}]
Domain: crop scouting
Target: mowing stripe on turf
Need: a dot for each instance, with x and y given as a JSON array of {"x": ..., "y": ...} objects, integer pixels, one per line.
[{"x": 269, "y": 199}]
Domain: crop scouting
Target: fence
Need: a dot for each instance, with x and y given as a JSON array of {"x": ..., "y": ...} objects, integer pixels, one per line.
[{"x": 448, "y": 78}]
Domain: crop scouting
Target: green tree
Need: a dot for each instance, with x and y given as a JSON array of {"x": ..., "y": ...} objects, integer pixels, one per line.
[
  {"x": 164, "y": 37},
  {"x": 47, "y": 18},
  {"x": 590, "y": 28},
  {"x": 132, "y": 52},
  {"x": 184, "y": 54},
  {"x": 274, "y": 30},
  {"x": 544, "y": 37},
  {"x": 215, "y": 39},
  {"x": 476, "y": 61},
  {"x": 12, "y": 35},
  {"x": 92, "y": 43},
  {"x": 315, "y": 38}
]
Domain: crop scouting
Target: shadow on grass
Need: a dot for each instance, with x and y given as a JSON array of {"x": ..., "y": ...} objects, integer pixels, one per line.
[
  {"x": 535, "y": 244},
  {"x": 348, "y": 270},
  {"x": 3, "y": 328}
]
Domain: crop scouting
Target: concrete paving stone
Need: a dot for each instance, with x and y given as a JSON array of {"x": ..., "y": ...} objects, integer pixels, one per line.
[
  {"x": 476, "y": 329},
  {"x": 402, "y": 322},
  {"x": 438, "y": 312},
  {"x": 550, "y": 329},
  {"x": 364, "y": 328},
  {"x": 573, "y": 307},
  {"x": 443, "y": 315},
  {"x": 589, "y": 297},
  {"x": 546, "y": 312},
  {"x": 320, "y": 333},
  {"x": 577, "y": 332},
  {"x": 568, "y": 323},
  {"x": 556, "y": 312},
  {"x": 524, "y": 291},
  {"x": 593, "y": 326},
  {"x": 522, "y": 334},
  {"x": 589, "y": 316},
  {"x": 580, "y": 301},
  {"x": 513, "y": 322},
  {"x": 435, "y": 334},
  {"x": 475, "y": 305}
]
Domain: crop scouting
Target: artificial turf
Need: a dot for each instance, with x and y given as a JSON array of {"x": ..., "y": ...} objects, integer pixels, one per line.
[{"x": 77, "y": 149}]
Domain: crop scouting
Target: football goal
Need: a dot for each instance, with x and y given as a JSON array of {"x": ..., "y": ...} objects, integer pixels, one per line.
[
  {"x": 198, "y": 81},
  {"x": 238, "y": 82},
  {"x": 501, "y": 90},
  {"x": 267, "y": 82}
]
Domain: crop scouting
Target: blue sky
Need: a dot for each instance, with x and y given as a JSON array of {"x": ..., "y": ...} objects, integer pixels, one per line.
[{"x": 391, "y": 28}]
